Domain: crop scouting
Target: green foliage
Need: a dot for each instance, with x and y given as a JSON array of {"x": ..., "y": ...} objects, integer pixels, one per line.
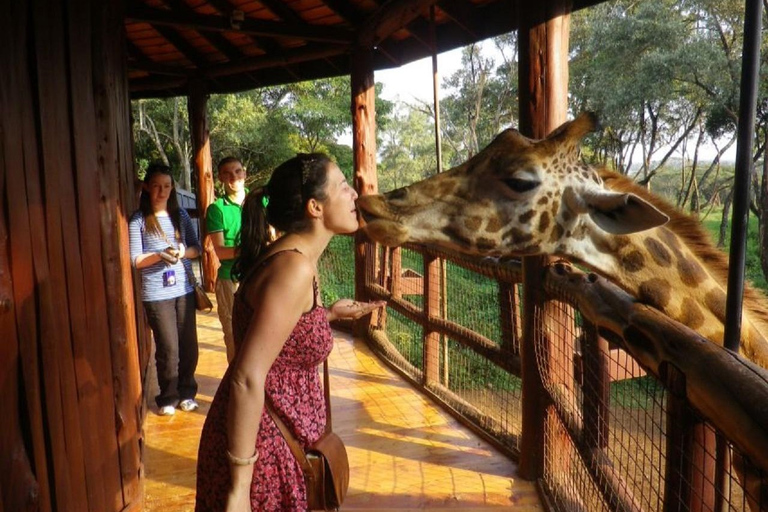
[
  {"x": 638, "y": 393},
  {"x": 262, "y": 127},
  {"x": 336, "y": 269},
  {"x": 407, "y": 150}
]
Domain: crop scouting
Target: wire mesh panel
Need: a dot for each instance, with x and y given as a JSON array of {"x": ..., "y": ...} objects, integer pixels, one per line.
[
  {"x": 493, "y": 393},
  {"x": 618, "y": 425},
  {"x": 567, "y": 480},
  {"x": 472, "y": 300},
  {"x": 405, "y": 337},
  {"x": 411, "y": 278},
  {"x": 337, "y": 270},
  {"x": 636, "y": 441}
]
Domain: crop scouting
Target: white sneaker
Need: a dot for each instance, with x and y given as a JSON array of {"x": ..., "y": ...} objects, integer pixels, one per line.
[
  {"x": 166, "y": 410},
  {"x": 188, "y": 405}
]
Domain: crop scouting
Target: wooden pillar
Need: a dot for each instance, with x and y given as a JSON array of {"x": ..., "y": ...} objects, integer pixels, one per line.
[
  {"x": 596, "y": 376},
  {"x": 115, "y": 161},
  {"x": 690, "y": 469},
  {"x": 364, "y": 158},
  {"x": 68, "y": 324},
  {"x": 543, "y": 76},
  {"x": 431, "y": 355},
  {"x": 201, "y": 147}
]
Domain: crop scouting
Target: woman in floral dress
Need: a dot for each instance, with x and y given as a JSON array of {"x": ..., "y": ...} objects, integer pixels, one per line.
[{"x": 282, "y": 333}]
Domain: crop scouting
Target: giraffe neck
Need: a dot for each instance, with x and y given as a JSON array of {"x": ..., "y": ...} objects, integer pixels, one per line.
[{"x": 660, "y": 269}]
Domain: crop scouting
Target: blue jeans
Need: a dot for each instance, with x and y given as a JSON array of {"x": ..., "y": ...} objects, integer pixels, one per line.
[{"x": 173, "y": 327}]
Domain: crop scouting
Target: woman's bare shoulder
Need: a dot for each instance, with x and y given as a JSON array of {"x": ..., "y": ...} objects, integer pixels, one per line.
[{"x": 287, "y": 273}]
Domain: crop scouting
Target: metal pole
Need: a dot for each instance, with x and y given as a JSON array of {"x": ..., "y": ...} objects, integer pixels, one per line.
[
  {"x": 435, "y": 91},
  {"x": 750, "y": 67}
]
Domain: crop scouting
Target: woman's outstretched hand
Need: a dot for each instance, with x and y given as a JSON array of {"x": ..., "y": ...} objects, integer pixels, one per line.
[{"x": 348, "y": 309}]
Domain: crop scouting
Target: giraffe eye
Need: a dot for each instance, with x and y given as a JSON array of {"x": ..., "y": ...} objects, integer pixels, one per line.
[{"x": 521, "y": 185}]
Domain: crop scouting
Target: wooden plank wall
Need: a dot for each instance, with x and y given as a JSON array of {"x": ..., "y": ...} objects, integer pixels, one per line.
[{"x": 69, "y": 369}]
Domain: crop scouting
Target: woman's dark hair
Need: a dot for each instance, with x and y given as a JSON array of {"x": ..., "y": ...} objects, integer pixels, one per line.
[
  {"x": 281, "y": 203},
  {"x": 151, "y": 225}
]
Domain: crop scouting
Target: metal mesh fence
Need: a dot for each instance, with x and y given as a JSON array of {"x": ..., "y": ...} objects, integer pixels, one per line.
[{"x": 615, "y": 438}]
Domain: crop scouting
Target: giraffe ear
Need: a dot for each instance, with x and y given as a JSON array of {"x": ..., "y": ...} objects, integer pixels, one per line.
[
  {"x": 615, "y": 212},
  {"x": 622, "y": 214}
]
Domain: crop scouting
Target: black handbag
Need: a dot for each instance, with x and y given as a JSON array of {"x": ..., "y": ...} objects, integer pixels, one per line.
[{"x": 325, "y": 463}]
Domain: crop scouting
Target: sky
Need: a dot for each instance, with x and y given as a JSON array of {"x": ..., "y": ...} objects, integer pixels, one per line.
[{"x": 413, "y": 82}]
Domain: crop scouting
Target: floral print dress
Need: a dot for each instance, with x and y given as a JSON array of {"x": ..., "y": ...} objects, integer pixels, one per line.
[{"x": 293, "y": 385}]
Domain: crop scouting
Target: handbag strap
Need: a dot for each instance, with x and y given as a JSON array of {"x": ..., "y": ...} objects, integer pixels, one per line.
[
  {"x": 290, "y": 439},
  {"x": 190, "y": 276}
]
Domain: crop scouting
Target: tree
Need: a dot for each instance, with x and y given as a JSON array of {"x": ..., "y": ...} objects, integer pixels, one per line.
[
  {"x": 407, "y": 149},
  {"x": 482, "y": 99},
  {"x": 161, "y": 133}
]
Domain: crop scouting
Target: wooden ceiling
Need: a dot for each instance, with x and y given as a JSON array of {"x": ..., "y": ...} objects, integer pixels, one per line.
[{"x": 236, "y": 45}]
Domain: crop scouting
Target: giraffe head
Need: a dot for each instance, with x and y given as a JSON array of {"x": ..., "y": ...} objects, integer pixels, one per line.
[{"x": 516, "y": 197}]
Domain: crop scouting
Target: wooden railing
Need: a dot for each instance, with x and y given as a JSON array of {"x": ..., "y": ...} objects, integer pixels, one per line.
[{"x": 639, "y": 412}]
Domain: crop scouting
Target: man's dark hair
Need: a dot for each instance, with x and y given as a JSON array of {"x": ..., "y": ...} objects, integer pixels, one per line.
[{"x": 228, "y": 160}]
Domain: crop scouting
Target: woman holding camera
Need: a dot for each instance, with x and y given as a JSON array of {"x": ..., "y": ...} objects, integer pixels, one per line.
[{"x": 162, "y": 239}]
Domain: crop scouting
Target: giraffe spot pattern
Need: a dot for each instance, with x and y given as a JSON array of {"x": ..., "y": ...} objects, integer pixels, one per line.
[
  {"x": 473, "y": 223},
  {"x": 691, "y": 273},
  {"x": 655, "y": 292},
  {"x": 493, "y": 225},
  {"x": 611, "y": 245},
  {"x": 543, "y": 200},
  {"x": 554, "y": 209},
  {"x": 517, "y": 237},
  {"x": 445, "y": 188},
  {"x": 544, "y": 221},
  {"x": 526, "y": 217},
  {"x": 691, "y": 314},
  {"x": 715, "y": 301},
  {"x": 658, "y": 252},
  {"x": 457, "y": 236},
  {"x": 556, "y": 234},
  {"x": 485, "y": 244},
  {"x": 671, "y": 241},
  {"x": 633, "y": 261}
]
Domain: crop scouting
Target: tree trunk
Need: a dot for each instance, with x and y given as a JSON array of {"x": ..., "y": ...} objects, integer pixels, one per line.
[
  {"x": 724, "y": 222},
  {"x": 763, "y": 221}
]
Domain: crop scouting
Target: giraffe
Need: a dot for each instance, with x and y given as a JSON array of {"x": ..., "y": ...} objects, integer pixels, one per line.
[{"x": 521, "y": 197}]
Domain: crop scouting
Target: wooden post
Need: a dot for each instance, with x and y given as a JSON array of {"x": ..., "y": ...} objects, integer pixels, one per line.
[
  {"x": 118, "y": 178},
  {"x": 543, "y": 76},
  {"x": 510, "y": 318},
  {"x": 689, "y": 473},
  {"x": 597, "y": 387},
  {"x": 364, "y": 158},
  {"x": 431, "y": 309},
  {"x": 201, "y": 146}
]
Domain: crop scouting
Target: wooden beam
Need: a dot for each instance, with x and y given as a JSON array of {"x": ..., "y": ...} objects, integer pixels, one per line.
[
  {"x": 182, "y": 45},
  {"x": 204, "y": 22},
  {"x": 391, "y": 18},
  {"x": 161, "y": 69},
  {"x": 282, "y": 11},
  {"x": 217, "y": 40},
  {"x": 225, "y": 8},
  {"x": 313, "y": 52},
  {"x": 346, "y": 10}
]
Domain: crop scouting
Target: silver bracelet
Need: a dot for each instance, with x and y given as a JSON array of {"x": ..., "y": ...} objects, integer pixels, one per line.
[{"x": 240, "y": 461}]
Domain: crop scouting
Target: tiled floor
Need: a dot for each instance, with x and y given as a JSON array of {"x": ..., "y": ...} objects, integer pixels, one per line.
[{"x": 405, "y": 453}]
